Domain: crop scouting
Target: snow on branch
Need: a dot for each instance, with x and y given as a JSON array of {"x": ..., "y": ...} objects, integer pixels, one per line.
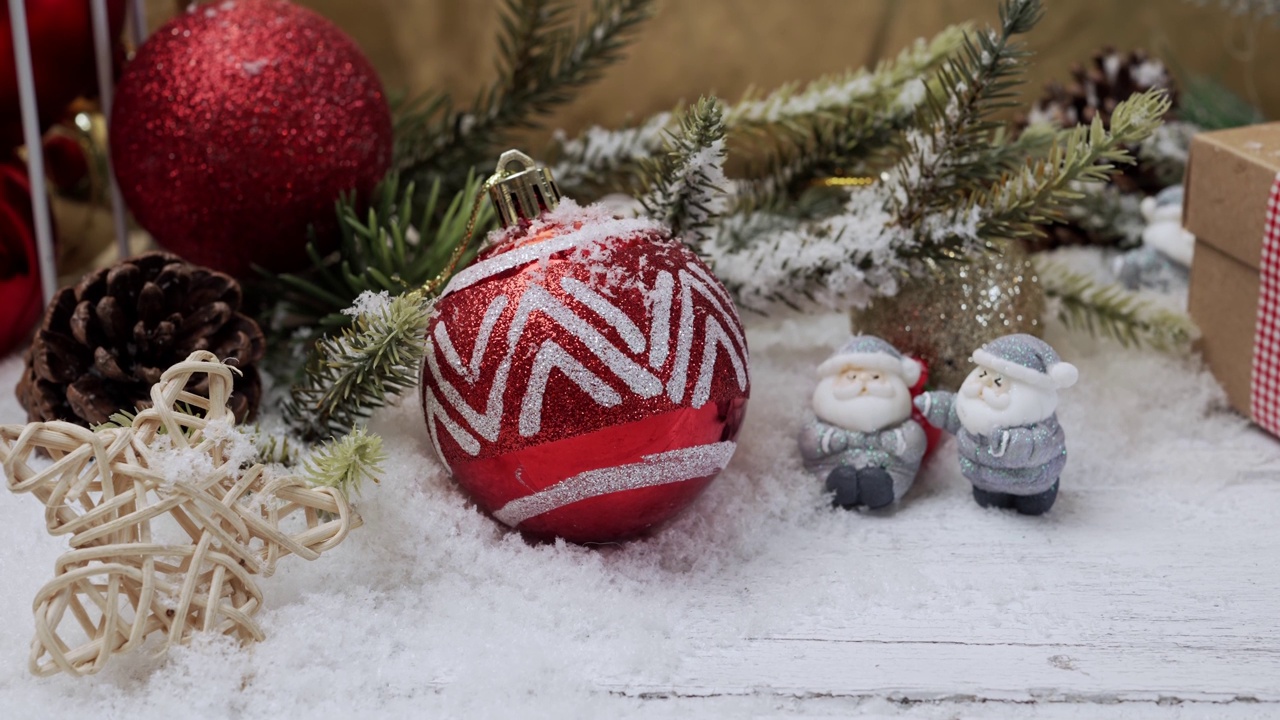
[{"x": 685, "y": 186}]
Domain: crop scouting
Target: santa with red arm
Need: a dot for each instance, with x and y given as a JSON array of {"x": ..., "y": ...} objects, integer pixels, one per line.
[{"x": 861, "y": 440}]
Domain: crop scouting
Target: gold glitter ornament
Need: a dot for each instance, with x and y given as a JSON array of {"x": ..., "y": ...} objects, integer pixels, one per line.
[{"x": 942, "y": 315}]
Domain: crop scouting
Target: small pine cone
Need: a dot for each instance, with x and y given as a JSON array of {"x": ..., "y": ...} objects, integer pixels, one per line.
[
  {"x": 105, "y": 342},
  {"x": 1096, "y": 89}
]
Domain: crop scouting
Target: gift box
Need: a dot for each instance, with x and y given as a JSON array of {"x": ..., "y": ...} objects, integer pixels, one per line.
[{"x": 1232, "y": 193}]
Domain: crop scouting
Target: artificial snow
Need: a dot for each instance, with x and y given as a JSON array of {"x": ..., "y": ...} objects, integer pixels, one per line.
[
  {"x": 431, "y": 609},
  {"x": 369, "y": 303}
]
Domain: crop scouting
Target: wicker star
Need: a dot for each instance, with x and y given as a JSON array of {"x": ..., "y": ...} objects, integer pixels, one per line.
[{"x": 156, "y": 551}]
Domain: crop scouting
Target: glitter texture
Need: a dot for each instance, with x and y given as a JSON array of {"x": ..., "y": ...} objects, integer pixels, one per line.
[
  {"x": 668, "y": 467},
  {"x": 575, "y": 351},
  {"x": 941, "y": 317},
  {"x": 239, "y": 124}
]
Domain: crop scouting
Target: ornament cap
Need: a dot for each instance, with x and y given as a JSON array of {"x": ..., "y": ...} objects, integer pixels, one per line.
[{"x": 520, "y": 189}]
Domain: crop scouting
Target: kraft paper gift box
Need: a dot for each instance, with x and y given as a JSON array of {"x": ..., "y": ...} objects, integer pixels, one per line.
[{"x": 1232, "y": 192}]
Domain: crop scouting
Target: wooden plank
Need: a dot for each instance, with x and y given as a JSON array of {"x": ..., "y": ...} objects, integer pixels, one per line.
[{"x": 1103, "y": 607}]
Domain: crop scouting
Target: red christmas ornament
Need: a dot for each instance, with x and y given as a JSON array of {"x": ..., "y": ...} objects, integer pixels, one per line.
[
  {"x": 20, "y": 298},
  {"x": 239, "y": 124},
  {"x": 586, "y": 376},
  {"x": 62, "y": 59}
]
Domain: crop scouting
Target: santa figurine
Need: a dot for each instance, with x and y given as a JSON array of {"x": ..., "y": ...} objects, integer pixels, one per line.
[
  {"x": 1004, "y": 418},
  {"x": 1163, "y": 263},
  {"x": 861, "y": 439}
]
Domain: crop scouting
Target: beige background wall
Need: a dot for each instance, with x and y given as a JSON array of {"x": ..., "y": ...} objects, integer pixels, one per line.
[{"x": 725, "y": 46}]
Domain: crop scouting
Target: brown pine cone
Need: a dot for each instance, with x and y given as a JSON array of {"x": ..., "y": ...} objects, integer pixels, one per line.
[
  {"x": 1094, "y": 91},
  {"x": 105, "y": 342}
]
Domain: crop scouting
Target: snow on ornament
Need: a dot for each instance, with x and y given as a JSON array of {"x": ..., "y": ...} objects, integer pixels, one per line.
[{"x": 587, "y": 376}]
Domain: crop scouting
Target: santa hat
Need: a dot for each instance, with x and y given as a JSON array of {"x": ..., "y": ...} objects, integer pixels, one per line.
[
  {"x": 872, "y": 353},
  {"x": 1028, "y": 359}
]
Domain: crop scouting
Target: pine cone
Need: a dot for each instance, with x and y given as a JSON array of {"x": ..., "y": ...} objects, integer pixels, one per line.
[
  {"x": 1095, "y": 91},
  {"x": 105, "y": 342},
  {"x": 1109, "y": 79}
]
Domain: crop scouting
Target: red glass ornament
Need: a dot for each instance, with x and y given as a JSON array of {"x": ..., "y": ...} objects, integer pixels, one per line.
[
  {"x": 238, "y": 125},
  {"x": 62, "y": 59},
  {"x": 586, "y": 378},
  {"x": 20, "y": 298}
]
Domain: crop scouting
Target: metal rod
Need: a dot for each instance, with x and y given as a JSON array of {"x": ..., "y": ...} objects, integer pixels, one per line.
[
  {"x": 35, "y": 150},
  {"x": 138, "y": 21},
  {"x": 102, "y": 51}
]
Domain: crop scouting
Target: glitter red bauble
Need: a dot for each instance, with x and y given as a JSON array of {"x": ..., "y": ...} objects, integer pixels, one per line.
[
  {"x": 239, "y": 124},
  {"x": 586, "y": 378},
  {"x": 20, "y": 298},
  {"x": 62, "y": 59}
]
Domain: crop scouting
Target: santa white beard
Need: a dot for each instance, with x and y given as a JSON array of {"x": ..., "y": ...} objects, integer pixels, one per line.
[
  {"x": 983, "y": 411},
  {"x": 881, "y": 407}
]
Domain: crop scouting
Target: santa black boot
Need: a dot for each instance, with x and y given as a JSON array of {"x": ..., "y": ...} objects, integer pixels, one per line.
[
  {"x": 875, "y": 487},
  {"x": 1037, "y": 504},
  {"x": 986, "y": 498},
  {"x": 843, "y": 481}
]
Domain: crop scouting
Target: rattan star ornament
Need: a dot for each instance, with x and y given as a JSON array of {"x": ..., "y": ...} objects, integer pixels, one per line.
[{"x": 169, "y": 523}]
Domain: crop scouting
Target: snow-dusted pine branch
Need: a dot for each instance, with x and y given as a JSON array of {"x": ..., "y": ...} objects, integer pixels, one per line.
[
  {"x": 1112, "y": 311},
  {"x": 950, "y": 153},
  {"x": 685, "y": 186},
  {"x": 788, "y": 135},
  {"x": 544, "y": 60},
  {"x": 961, "y": 184},
  {"x": 350, "y": 375},
  {"x": 1015, "y": 206}
]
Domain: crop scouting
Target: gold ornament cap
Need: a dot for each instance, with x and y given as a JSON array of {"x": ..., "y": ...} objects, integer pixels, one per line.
[{"x": 520, "y": 189}]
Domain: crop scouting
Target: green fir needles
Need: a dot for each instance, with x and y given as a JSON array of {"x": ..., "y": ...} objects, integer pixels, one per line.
[
  {"x": 399, "y": 244},
  {"x": 350, "y": 375},
  {"x": 955, "y": 154},
  {"x": 685, "y": 186},
  {"x": 346, "y": 462},
  {"x": 831, "y": 126},
  {"x": 1040, "y": 192},
  {"x": 1113, "y": 312},
  {"x": 545, "y": 59}
]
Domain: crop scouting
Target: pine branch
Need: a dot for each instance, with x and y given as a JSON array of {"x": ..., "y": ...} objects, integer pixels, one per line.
[
  {"x": 1111, "y": 311},
  {"x": 1042, "y": 190},
  {"x": 1104, "y": 212},
  {"x": 600, "y": 161},
  {"x": 543, "y": 65},
  {"x": 768, "y": 261},
  {"x": 836, "y": 126},
  {"x": 787, "y": 137},
  {"x": 401, "y": 243},
  {"x": 349, "y": 376},
  {"x": 346, "y": 462},
  {"x": 950, "y": 156},
  {"x": 275, "y": 449},
  {"x": 830, "y": 97},
  {"x": 685, "y": 188}
]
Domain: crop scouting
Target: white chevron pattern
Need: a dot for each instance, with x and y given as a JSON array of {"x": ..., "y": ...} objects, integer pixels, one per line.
[{"x": 720, "y": 334}]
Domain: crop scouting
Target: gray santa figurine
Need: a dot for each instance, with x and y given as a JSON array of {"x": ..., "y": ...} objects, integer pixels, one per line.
[
  {"x": 1004, "y": 418},
  {"x": 861, "y": 439}
]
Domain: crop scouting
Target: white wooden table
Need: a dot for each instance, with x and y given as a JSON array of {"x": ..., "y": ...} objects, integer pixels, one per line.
[{"x": 1151, "y": 590}]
